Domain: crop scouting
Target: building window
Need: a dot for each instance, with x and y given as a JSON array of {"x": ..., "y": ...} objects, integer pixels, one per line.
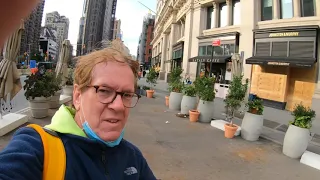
[
  {"x": 223, "y": 20},
  {"x": 209, "y": 17},
  {"x": 236, "y": 10},
  {"x": 286, "y": 9},
  {"x": 266, "y": 10},
  {"x": 307, "y": 8}
]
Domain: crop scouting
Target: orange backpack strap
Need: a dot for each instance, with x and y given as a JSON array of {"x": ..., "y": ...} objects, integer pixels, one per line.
[{"x": 54, "y": 165}]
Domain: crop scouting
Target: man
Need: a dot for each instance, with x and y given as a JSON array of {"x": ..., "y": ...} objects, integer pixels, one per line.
[{"x": 92, "y": 132}]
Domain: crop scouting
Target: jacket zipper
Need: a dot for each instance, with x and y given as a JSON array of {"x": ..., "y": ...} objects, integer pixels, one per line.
[{"x": 105, "y": 164}]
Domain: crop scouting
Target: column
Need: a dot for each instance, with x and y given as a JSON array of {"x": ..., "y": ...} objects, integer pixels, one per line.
[
  {"x": 215, "y": 15},
  {"x": 296, "y": 8},
  {"x": 276, "y": 9},
  {"x": 229, "y": 16},
  {"x": 172, "y": 40},
  {"x": 163, "y": 56},
  {"x": 317, "y": 5}
]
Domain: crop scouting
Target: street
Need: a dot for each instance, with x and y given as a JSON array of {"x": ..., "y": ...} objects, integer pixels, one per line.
[{"x": 180, "y": 150}]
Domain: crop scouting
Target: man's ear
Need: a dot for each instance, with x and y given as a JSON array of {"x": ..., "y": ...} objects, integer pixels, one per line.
[{"x": 76, "y": 97}]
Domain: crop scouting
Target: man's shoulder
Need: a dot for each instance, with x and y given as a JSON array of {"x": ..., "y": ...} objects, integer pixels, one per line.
[{"x": 131, "y": 148}]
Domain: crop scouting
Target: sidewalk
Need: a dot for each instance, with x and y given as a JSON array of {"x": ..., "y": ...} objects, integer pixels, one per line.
[
  {"x": 180, "y": 150},
  {"x": 274, "y": 127}
]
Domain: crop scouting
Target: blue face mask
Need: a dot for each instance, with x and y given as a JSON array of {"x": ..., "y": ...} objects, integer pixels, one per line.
[{"x": 92, "y": 135}]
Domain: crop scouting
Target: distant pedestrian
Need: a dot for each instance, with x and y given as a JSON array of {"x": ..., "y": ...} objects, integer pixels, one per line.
[{"x": 144, "y": 73}]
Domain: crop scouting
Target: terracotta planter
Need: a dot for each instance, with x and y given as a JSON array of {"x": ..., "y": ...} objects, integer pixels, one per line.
[
  {"x": 229, "y": 130},
  {"x": 167, "y": 100},
  {"x": 194, "y": 115},
  {"x": 254, "y": 111},
  {"x": 150, "y": 93}
]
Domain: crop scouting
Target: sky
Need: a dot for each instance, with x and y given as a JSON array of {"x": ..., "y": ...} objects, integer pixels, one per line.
[{"x": 130, "y": 12}]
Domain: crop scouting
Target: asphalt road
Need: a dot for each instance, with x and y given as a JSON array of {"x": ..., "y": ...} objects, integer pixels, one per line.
[{"x": 19, "y": 102}]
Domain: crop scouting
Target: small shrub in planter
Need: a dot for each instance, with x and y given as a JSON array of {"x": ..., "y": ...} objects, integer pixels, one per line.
[
  {"x": 233, "y": 101},
  {"x": 68, "y": 88},
  {"x": 152, "y": 81},
  {"x": 298, "y": 134},
  {"x": 189, "y": 99},
  {"x": 205, "y": 90},
  {"x": 38, "y": 91},
  {"x": 175, "y": 87},
  {"x": 252, "y": 123}
]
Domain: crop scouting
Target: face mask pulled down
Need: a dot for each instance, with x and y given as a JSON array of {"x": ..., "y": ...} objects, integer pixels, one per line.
[{"x": 92, "y": 135}]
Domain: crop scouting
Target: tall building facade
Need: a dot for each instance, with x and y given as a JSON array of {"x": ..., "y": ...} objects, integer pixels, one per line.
[
  {"x": 60, "y": 23},
  {"x": 31, "y": 35},
  {"x": 80, "y": 36},
  {"x": 276, "y": 39},
  {"x": 99, "y": 23},
  {"x": 48, "y": 44},
  {"x": 144, "y": 53},
  {"x": 117, "y": 29}
]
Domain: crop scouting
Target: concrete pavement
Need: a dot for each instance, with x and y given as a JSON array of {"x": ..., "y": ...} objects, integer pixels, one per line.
[
  {"x": 180, "y": 150},
  {"x": 274, "y": 127}
]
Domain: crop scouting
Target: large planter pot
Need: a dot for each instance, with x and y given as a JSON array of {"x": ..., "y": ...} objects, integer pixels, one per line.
[
  {"x": 188, "y": 103},
  {"x": 194, "y": 115},
  {"x": 39, "y": 107},
  {"x": 251, "y": 126},
  {"x": 150, "y": 93},
  {"x": 175, "y": 101},
  {"x": 206, "y": 111},
  {"x": 54, "y": 102},
  {"x": 295, "y": 141}
]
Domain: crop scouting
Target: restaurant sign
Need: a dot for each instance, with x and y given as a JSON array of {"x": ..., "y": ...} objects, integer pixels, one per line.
[
  {"x": 205, "y": 60},
  {"x": 279, "y": 63},
  {"x": 284, "y": 34}
]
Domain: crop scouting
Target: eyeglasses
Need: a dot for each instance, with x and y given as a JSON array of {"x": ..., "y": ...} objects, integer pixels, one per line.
[{"x": 107, "y": 95}]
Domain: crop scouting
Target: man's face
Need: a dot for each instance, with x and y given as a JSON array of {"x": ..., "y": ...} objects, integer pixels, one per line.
[{"x": 106, "y": 120}]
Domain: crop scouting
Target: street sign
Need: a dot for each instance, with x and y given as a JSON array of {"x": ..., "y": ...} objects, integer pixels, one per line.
[{"x": 216, "y": 42}]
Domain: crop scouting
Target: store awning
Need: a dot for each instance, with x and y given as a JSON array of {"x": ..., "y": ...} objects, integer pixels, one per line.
[
  {"x": 211, "y": 59},
  {"x": 282, "y": 61}
]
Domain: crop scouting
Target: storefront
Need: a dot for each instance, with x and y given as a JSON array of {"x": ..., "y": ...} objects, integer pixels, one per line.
[
  {"x": 214, "y": 60},
  {"x": 284, "y": 71},
  {"x": 177, "y": 55}
]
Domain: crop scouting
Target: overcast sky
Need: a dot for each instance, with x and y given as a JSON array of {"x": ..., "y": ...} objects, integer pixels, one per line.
[{"x": 131, "y": 13}]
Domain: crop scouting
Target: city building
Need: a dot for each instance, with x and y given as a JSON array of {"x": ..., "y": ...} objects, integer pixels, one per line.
[
  {"x": 31, "y": 34},
  {"x": 277, "y": 41},
  {"x": 48, "y": 44},
  {"x": 144, "y": 53},
  {"x": 117, "y": 29},
  {"x": 60, "y": 23},
  {"x": 80, "y": 36},
  {"x": 99, "y": 23}
]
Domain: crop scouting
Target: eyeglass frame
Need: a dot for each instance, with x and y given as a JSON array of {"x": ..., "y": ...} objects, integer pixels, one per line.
[{"x": 96, "y": 87}]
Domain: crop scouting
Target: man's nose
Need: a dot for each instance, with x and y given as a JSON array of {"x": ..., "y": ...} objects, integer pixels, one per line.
[{"x": 117, "y": 103}]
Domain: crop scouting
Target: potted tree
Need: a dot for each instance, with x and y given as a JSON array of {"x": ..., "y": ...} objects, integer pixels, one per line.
[
  {"x": 252, "y": 122},
  {"x": 205, "y": 90},
  {"x": 55, "y": 82},
  {"x": 68, "y": 88},
  {"x": 175, "y": 88},
  {"x": 38, "y": 91},
  {"x": 189, "y": 99},
  {"x": 152, "y": 80},
  {"x": 233, "y": 101},
  {"x": 298, "y": 134}
]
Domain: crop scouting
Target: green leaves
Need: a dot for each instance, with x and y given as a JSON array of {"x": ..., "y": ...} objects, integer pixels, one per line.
[
  {"x": 205, "y": 88},
  {"x": 255, "y": 106},
  {"x": 237, "y": 93},
  {"x": 175, "y": 80},
  {"x": 189, "y": 90},
  {"x": 303, "y": 116},
  {"x": 152, "y": 77},
  {"x": 70, "y": 77}
]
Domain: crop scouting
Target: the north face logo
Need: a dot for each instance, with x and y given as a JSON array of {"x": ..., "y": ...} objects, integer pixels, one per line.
[{"x": 130, "y": 171}]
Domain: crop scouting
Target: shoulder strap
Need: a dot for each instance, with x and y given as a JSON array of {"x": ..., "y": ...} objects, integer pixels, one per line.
[{"x": 54, "y": 165}]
